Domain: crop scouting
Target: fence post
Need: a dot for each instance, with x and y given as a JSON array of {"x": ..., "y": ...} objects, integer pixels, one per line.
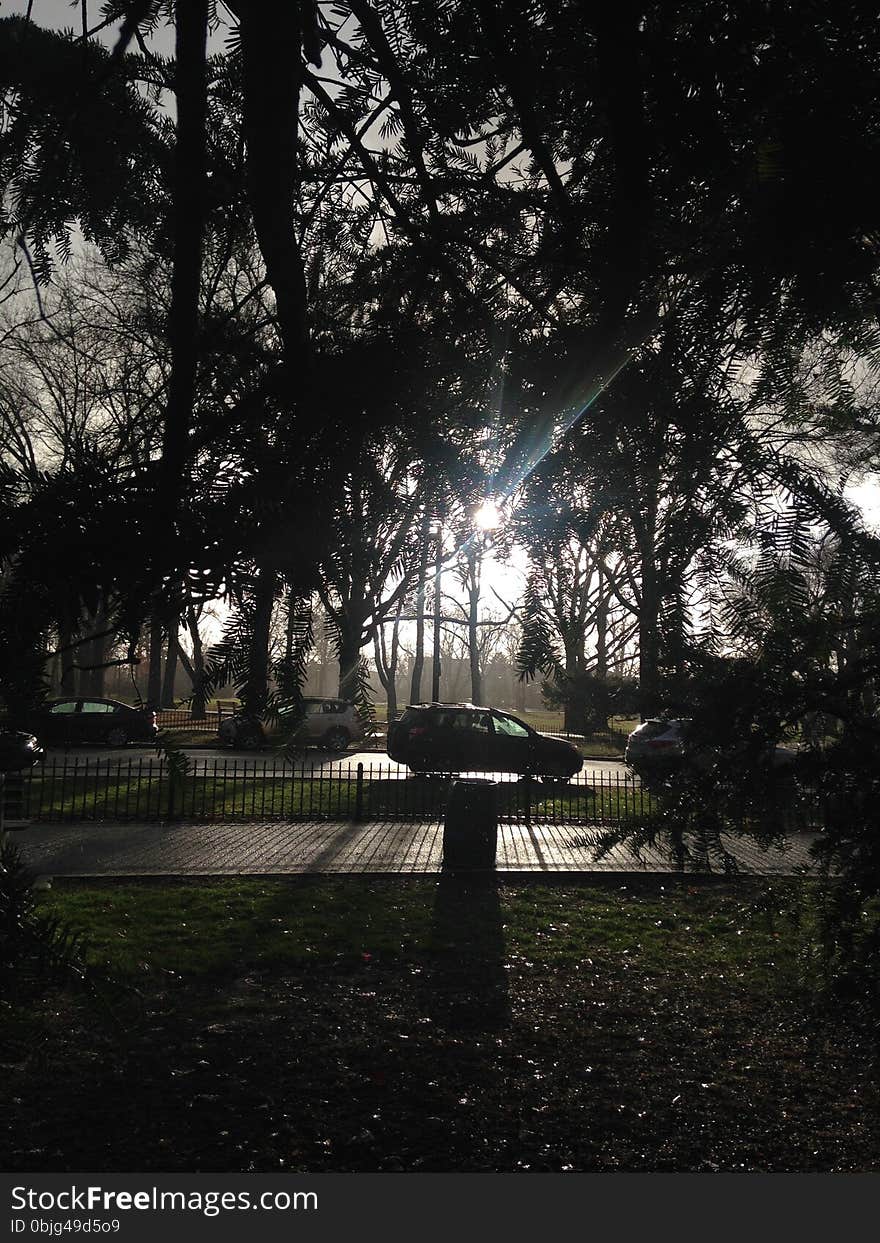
[
  {"x": 527, "y": 786},
  {"x": 359, "y": 794},
  {"x": 171, "y": 782}
]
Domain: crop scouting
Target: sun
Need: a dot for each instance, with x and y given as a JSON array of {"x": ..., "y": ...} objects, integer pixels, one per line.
[{"x": 487, "y": 517}]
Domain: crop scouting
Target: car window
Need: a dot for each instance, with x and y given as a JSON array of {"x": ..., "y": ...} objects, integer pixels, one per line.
[
  {"x": 69, "y": 705},
  {"x": 330, "y": 706},
  {"x": 510, "y": 728},
  {"x": 470, "y": 721},
  {"x": 314, "y": 709},
  {"x": 90, "y": 705}
]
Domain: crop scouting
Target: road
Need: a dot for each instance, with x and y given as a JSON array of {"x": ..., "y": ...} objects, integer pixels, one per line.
[{"x": 208, "y": 761}]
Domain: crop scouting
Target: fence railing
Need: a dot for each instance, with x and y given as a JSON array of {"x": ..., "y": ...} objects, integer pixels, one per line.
[
  {"x": 180, "y": 718},
  {"x": 217, "y": 790},
  {"x": 610, "y": 741}
]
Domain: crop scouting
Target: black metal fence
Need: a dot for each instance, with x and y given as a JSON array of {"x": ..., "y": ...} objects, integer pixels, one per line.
[{"x": 220, "y": 790}]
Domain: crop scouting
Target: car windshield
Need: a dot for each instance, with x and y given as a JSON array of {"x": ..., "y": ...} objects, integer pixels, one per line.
[
  {"x": 511, "y": 728},
  {"x": 653, "y": 728}
]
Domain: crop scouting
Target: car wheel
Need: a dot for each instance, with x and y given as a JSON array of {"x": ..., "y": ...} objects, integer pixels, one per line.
[
  {"x": 117, "y": 737},
  {"x": 336, "y": 739},
  {"x": 552, "y": 780},
  {"x": 650, "y": 778},
  {"x": 249, "y": 739}
]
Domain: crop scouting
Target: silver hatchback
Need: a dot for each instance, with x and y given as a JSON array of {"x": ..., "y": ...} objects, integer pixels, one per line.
[
  {"x": 330, "y": 723},
  {"x": 657, "y": 745}
]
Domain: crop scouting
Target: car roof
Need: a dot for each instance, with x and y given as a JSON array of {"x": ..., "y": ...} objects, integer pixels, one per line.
[
  {"x": 86, "y": 699},
  {"x": 471, "y": 707}
]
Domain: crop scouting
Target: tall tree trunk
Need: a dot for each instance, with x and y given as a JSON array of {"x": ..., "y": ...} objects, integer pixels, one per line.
[
  {"x": 473, "y": 590},
  {"x": 67, "y": 679},
  {"x": 256, "y": 691},
  {"x": 602, "y": 599},
  {"x": 90, "y": 655},
  {"x": 619, "y": 61},
  {"x": 190, "y": 84},
  {"x": 322, "y": 653},
  {"x": 519, "y": 693},
  {"x": 415, "y": 690},
  {"x": 349, "y": 660},
  {"x": 95, "y": 656},
  {"x": 649, "y": 637},
  {"x": 574, "y": 709},
  {"x": 392, "y": 665},
  {"x": 438, "y": 614},
  {"x": 386, "y": 665},
  {"x": 197, "y": 670},
  {"x": 170, "y": 665},
  {"x": 154, "y": 677},
  {"x": 271, "y": 41}
]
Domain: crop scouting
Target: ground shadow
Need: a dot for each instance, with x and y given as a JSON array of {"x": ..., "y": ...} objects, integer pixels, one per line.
[
  {"x": 467, "y": 980},
  {"x": 425, "y": 797}
]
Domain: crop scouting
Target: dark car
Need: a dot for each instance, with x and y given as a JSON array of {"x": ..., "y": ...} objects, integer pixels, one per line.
[
  {"x": 85, "y": 720},
  {"x": 18, "y": 750},
  {"x": 449, "y": 738}
]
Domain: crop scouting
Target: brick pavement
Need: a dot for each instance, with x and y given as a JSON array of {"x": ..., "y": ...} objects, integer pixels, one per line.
[{"x": 284, "y": 847}]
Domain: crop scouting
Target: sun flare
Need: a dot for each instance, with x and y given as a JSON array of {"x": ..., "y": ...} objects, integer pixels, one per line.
[{"x": 487, "y": 517}]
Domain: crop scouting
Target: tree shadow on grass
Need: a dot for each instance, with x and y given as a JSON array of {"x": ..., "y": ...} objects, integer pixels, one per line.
[
  {"x": 467, "y": 981},
  {"x": 424, "y": 797}
]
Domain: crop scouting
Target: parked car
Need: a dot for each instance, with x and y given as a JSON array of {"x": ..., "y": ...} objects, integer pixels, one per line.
[
  {"x": 330, "y": 723},
  {"x": 449, "y": 738},
  {"x": 81, "y": 721},
  {"x": 659, "y": 747},
  {"x": 18, "y": 750}
]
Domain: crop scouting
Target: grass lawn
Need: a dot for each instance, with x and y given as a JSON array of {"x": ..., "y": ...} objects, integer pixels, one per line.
[{"x": 315, "y": 1024}]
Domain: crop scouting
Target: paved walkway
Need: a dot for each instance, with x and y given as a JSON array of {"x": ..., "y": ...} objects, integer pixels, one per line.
[{"x": 281, "y": 848}]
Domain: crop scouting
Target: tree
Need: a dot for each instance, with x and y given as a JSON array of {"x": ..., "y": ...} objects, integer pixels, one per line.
[
  {"x": 597, "y": 217},
  {"x": 369, "y": 567}
]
